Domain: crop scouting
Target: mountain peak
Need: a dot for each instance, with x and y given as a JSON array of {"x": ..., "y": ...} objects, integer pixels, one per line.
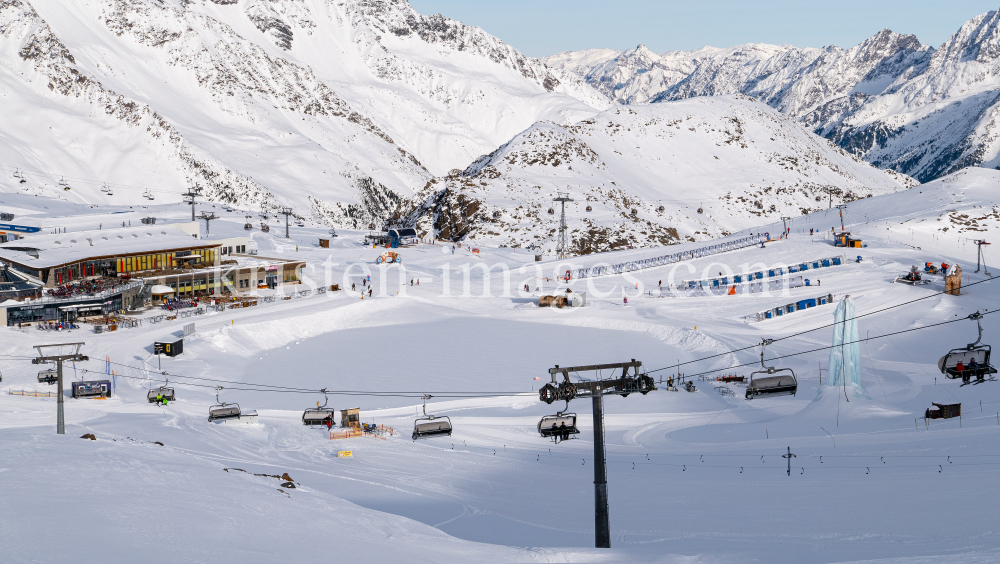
[{"x": 977, "y": 40}]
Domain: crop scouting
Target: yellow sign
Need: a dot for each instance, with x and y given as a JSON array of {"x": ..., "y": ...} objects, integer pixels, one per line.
[{"x": 345, "y": 454}]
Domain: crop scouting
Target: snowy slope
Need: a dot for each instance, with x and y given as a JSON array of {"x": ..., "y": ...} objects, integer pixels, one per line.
[
  {"x": 740, "y": 161},
  {"x": 693, "y": 477},
  {"x": 330, "y": 108}
]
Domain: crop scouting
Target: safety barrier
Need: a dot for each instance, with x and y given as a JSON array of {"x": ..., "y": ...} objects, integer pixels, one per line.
[
  {"x": 26, "y": 393},
  {"x": 636, "y": 265},
  {"x": 346, "y": 434}
]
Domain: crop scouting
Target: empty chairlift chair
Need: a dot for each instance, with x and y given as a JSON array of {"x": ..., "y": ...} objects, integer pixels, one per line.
[
  {"x": 319, "y": 415},
  {"x": 974, "y": 358},
  {"x": 223, "y": 412},
  {"x": 430, "y": 425},
  {"x": 771, "y": 381}
]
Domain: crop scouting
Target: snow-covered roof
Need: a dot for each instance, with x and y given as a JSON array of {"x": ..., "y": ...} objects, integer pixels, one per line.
[{"x": 64, "y": 248}]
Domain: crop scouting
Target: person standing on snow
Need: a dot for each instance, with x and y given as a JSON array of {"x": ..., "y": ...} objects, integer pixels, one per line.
[
  {"x": 369, "y": 291},
  {"x": 625, "y": 299}
]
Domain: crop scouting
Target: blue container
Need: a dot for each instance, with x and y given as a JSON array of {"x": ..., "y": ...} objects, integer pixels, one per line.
[
  {"x": 826, "y": 262},
  {"x": 836, "y": 261},
  {"x": 807, "y": 282}
]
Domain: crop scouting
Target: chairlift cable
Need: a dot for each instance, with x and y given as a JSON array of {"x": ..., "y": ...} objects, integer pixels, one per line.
[{"x": 675, "y": 365}]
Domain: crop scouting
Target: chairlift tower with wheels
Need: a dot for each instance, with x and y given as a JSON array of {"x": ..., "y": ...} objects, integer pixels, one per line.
[
  {"x": 59, "y": 354},
  {"x": 192, "y": 193},
  {"x": 208, "y": 217},
  {"x": 596, "y": 389},
  {"x": 562, "y": 198},
  {"x": 286, "y": 212},
  {"x": 980, "y": 255},
  {"x": 842, "y": 207}
]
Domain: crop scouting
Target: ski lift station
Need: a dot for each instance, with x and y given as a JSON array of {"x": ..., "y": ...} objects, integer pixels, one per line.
[{"x": 120, "y": 264}]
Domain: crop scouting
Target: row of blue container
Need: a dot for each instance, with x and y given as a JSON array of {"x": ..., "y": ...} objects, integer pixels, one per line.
[
  {"x": 793, "y": 307},
  {"x": 771, "y": 273}
]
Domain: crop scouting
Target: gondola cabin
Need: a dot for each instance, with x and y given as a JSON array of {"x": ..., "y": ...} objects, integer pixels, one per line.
[
  {"x": 431, "y": 426},
  {"x": 163, "y": 392},
  {"x": 318, "y": 416},
  {"x": 92, "y": 389},
  {"x": 777, "y": 382},
  {"x": 350, "y": 417},
  {"x": 50, "y": 376},
  {"x": 553, "y": 425}
]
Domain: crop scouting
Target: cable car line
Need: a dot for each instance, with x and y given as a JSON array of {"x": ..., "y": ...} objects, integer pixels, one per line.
[
  {"x": 816, "y": 328},
  {"x": 451, "y": 395},
  {"x": 834, "y": 346}
]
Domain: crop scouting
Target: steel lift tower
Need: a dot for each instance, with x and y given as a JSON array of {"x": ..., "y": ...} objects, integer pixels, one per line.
[
  {"x": 192, "y": 193},
  {"x": 561, "y": 245},
  {"x": 286, "y": 212},
  {"x": 59, "y": 354}
]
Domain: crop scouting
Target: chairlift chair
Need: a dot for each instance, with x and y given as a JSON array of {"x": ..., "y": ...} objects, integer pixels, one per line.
[
  {"x": 50, "y": 376},
  {"x": 973, "y": 351},
  {"x": 222, "y": 411},
  {"x": 552, "y": 426},
  {"x": 63, "y": 184},
  {"x": 431, "y": 425},
  {"x": 164, "y": 392},
  {"x": 777, "y": 382},
  {"x": 319, "y": 415}
]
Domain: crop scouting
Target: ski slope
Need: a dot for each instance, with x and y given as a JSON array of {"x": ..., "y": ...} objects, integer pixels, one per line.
[{"x": 693, "y": 477}]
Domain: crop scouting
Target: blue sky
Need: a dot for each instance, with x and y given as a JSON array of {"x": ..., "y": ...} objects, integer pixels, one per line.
[{"x": 546, "y": 27}]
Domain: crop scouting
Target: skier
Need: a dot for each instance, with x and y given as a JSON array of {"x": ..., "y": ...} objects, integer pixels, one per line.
[
  {"x": 625, "y": 299},
  {"x": 369, "y": 291},
  {"x": 352, "y": 286}
]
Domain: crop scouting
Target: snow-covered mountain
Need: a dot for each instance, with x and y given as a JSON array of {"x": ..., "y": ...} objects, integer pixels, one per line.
[
  {"x": 648, "y": 175},
  {"x": 337, "y": 109},
  {"x": 895, "y": 102}
]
